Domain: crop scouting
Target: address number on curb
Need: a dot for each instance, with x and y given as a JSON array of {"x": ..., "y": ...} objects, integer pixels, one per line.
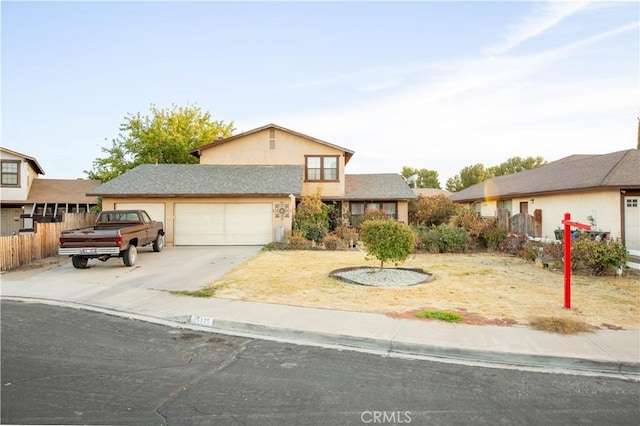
[{"x": 197, "y": 320}]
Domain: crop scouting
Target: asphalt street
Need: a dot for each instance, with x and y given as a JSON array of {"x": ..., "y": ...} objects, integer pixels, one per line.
[{"x": 70, "y": 366}]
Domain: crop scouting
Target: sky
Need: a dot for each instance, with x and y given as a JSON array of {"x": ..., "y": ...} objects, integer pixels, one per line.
[{"x": 424, "y": 84}]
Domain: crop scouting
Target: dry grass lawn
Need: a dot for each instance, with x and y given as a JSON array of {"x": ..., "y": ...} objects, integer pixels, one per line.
[{"x": 484, "y": 288}]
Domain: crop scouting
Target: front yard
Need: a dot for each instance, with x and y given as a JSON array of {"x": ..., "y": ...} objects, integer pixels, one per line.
[{"x": 484, "y": 288}]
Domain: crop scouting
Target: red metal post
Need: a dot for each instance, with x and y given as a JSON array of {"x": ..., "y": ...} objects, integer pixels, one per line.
[{"x": 567, "y": 260}]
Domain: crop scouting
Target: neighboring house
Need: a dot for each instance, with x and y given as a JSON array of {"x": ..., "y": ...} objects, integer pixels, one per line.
[
  {"x": 600, "y": 189},
  {"x": 246, "y": 187},
  {"x": 27, "y": 199}
]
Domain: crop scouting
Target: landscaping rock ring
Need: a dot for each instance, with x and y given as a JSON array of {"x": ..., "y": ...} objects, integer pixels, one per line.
[{"x": 385, "y": 277}]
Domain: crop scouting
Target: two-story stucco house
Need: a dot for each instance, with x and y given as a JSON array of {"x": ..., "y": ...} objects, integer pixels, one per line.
[
  {"x": 25, "y": 198},
  {"x": 245, "y": 189}
]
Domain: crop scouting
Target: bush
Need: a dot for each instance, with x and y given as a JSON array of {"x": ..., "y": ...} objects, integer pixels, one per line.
[
  {"x": 298, "y": 242},
  {"x": 598, "y": 257},
  {"x": 388, "y": 240},
  {"x": 347, "y": 234},
  {"x": 478, "y": 227},
  {"x": 443, "y": 239},
  {"x": 373, "y": 215},
  {"x": 495, "y": 236},
  {"x": 434, "y": 210},
  {"x": 515, "y": 244},
  {"x": 333, "y": 242},
  {"x": 312, "y": 218}
]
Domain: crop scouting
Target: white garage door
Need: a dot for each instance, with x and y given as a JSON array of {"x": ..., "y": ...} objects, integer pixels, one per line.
[
  {"x": 222, "y": 224},
  {"x": 155, "y": 210}
]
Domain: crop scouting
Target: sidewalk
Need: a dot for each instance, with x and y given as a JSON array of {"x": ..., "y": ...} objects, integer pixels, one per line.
[{"x": 605, "y": 351}]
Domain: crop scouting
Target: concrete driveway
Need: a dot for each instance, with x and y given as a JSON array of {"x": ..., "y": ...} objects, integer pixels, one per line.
[{"x": 174, "y": 268}]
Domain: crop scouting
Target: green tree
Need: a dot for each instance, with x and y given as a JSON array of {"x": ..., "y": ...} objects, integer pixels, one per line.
[
  {"x": 165, "y": 137},
  {"x": 387, "y": 240},
  {"x": 516, "y": 165},
  {"x": 468, "y": 176},
  {"x": 477, "y": 173},
  {"x": 426, "y": 178}
]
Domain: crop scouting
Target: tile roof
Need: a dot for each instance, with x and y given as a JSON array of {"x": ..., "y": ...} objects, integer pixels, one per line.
[
  {"x": 576, "y": 172},
  {"x": 347, "y": 152},
  {"x": 204, "y": 180},
  {"x": 384, "y": 186}
]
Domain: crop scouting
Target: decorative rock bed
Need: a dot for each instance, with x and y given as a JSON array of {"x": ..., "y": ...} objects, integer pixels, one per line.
[{"x": 387, "y": 277}]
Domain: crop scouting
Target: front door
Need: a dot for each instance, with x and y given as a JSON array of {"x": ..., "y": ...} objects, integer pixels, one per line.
[{"x": 632, "y": 224}]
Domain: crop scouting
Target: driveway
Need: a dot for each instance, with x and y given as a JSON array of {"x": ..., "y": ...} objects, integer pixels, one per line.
[{"x": 174, "y": 268}]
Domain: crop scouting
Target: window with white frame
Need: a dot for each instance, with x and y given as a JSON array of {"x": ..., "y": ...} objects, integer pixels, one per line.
[{"x": 321, "y": 168}]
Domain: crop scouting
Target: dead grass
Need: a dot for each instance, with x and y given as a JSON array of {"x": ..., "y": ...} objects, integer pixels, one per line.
[
  {"x": 560, "y": 325},
  {"x": 483, "y": 288}
]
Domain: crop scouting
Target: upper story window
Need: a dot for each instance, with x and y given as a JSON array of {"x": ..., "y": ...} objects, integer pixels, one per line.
[
  {"x": 10, "y": 173},
  {"x": 321, "y": 168}
]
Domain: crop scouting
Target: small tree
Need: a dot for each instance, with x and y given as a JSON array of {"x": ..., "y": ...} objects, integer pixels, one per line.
[
  {"x": 387, "y": 240},
  {"x": 312, "y": 218}
]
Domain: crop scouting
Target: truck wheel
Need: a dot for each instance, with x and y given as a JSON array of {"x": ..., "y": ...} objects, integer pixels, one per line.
[
  {"x": 79, "y": 262},
  {"x": 129, "y": 256},
  {"x": 158, "y": 244}
]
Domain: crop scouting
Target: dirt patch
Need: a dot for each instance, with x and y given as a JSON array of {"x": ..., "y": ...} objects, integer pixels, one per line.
[{"x": 483, "y": 288}]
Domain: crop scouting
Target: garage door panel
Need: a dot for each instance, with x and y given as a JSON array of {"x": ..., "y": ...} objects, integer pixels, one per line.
[
  {"x": 155, "y": 210},
  {"x": 223, "y": 224}
]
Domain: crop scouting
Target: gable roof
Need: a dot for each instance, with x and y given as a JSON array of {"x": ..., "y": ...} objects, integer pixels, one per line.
[
  {"x": 62, "y": 191},
  {"x": 577, "y": 172},
  {"x": 160, "y": 180},
  {"x": 197, "y": 152},
  {"x": 31, "y": 160},
  {"x": 383, "y": 186}
]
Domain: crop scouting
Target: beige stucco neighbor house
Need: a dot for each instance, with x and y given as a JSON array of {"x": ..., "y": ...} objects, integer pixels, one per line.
[
  {"x": 25, "y": 198},
  {"x": 245, "y": 189},
  {"x": 600, "y": 189}
]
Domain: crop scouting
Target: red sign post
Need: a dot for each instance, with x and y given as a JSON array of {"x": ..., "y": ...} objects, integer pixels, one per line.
[{"x": 568, "y": 223}]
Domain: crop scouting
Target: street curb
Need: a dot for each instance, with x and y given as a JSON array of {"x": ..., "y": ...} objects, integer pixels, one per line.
[
  {"x": 438, "y": 352},
  {"x": 630, "y": 370}
]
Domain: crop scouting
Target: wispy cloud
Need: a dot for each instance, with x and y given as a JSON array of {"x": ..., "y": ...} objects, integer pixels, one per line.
[
  {"x": 545, "y": 17},
  {"x": 485, "y": 109}
]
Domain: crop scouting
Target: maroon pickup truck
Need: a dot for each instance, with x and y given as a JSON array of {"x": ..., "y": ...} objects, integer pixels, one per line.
[{"x": 116, "y": 233}]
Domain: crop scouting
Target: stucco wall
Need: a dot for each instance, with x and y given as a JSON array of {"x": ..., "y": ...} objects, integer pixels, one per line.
[
  {"x": 603, "y": 205},
  {"x": 288, "y": 149},
  {"x": 169, "y": 203}
]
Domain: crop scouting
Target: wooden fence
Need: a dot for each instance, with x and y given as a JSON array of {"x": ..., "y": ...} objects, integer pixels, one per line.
[
  {"x": 521, "y": 223},
  {"x": 18, "y": 250}
]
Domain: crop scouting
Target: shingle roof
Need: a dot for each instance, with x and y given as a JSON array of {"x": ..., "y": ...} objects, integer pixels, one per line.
[
  {"x": 62, "y": 191},
  {"x": 384, "y": 186},
  {"x": 204, "y": 180},
  {"x": 576, "y": 172},
  {"x": 347, "y": 152}
]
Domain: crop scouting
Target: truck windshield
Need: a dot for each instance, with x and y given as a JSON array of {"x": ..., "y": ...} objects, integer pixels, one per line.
[{"x": 119, "y": 217}]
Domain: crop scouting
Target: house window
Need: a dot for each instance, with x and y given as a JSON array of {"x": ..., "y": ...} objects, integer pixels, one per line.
[
  {"x": 358, "y": 208},
  {"x": 632, "y": 202},
  {"x": 10, "y": 173},
  {"x": 321, "y": 168}
]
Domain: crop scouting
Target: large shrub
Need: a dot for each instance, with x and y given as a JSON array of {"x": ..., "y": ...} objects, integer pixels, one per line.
[
  {"x": 387, "y": 240},
  {"x": 312, "y": 218},
  {"x": 483, "y": 231},
  {"x": 433, "y": 210},
  {"x": 442, "y": 239},
  {"x": 598, "y": 257}
]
